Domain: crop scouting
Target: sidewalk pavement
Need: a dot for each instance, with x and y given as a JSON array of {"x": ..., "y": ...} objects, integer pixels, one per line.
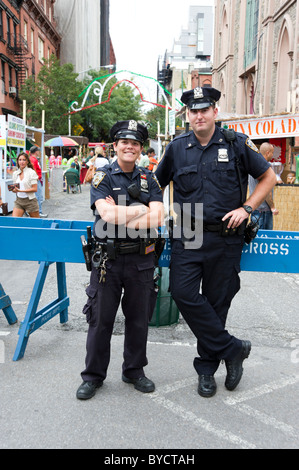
[{"x": 39, "y": 408}]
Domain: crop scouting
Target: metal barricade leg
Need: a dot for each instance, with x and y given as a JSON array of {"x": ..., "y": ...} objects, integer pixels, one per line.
[
  {"x": 62, "y": 289},
  {"x": 33, "y": 319},
  {"x": 5, "y": 305}
]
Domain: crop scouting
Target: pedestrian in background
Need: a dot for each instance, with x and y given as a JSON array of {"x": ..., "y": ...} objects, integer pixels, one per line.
[
  {"x": 34, "y": 158},
  {"x": 153, "y": 162},
  {"x": 101, "y": 160},
  {"x": 264, "y": 213},
  {"x": 203, "y": 280},
  {"x": 25, "y": 181}
]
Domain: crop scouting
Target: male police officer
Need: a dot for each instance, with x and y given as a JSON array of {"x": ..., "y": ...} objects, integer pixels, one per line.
[
  {"x": 203, "y": 167},
  {"x": 128, "y": 200}
]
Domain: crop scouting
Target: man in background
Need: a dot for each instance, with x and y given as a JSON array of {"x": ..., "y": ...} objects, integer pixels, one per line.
[
  {"x": 153, "y": 162},
  {"x": 264, "y": 213},
  {"x": 34, "y": 158}
]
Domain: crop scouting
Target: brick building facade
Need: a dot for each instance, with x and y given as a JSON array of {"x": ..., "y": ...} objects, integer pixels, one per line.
[{"x": 27, "y": 36}]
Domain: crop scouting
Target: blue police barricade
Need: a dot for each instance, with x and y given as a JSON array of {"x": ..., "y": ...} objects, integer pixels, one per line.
[
  {"x": 59, "y": 241},
  {"x": 48, "y": 242},
  {"x": 270, "y": 251},
  {"x": 5, "y": 305}
]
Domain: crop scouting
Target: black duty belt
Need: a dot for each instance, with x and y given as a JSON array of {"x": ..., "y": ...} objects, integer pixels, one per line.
[
  {"x": 223, "y": 230},
  {"x": 212, "y": 227},
  {"x": 208, "y": 227},
  {"x": 114, "y": 248},
  {"x": 124, "y": 248}
]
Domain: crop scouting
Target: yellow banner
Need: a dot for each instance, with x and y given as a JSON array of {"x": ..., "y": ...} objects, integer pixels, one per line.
[{"x": 15, "y": 142}]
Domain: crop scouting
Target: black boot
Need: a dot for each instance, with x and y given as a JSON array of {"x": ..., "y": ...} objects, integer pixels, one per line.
[
  {"x": 206, "y": 385},
  {"x": 142, "y": 384},
  {"x": 234, "y": 367},
  {"x": 87, "y": 390}
]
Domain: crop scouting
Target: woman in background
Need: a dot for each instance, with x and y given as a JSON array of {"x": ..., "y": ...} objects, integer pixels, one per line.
[{"x": 25, "y": 187}]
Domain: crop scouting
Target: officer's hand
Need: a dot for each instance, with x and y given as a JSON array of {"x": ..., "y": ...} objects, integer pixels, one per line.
[
  {"x": 236, "y": 217},
  {"x": 110, "y": 200}
]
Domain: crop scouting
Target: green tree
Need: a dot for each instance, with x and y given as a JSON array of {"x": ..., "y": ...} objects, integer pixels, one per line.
[
  {"x": 123, "y": 104},
  {"x": 55, "y": 88},
  {"x": 152, "y": 117}
]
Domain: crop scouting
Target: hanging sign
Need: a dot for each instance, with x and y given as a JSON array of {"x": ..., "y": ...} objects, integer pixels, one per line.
[
  {"x": 272, "y": 126},
  {"x": 16, "y": 132},
  {"x": 2, "y": 131}
]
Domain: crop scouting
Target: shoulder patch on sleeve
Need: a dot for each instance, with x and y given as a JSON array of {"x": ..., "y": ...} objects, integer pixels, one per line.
[
  {"x": 157, "y": 181},
  {"x": 98, "y": 178},
  {"x": 251, "y": 145}
]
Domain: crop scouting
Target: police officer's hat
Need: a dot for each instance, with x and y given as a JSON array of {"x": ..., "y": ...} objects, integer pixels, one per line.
[
  {"x": 129, "y": 130},
  {"x": 200, "y": 98}
]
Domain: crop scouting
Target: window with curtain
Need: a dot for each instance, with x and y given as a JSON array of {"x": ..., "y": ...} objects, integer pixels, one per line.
[
  {"x": 41, "y": 53},
  {"x": 251, "y": 31}
]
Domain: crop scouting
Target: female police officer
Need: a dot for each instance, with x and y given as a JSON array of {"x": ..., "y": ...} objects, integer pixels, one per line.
[
  {"x": 128, "y": 202},
  {"x": 203, "y": 167}
]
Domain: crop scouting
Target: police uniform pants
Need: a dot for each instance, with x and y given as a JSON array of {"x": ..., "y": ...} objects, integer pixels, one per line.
[
  {"x": 203, "y": 283},
  {"x": 131, "y": 274}
]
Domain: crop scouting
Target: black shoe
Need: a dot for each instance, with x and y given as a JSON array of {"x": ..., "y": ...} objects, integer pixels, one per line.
[
  {"x": 87, "y": 390},
  {"x": 142, "y": 384},
  {"x": 234, "y": 368},
  {"x": 206, "y": 385}
]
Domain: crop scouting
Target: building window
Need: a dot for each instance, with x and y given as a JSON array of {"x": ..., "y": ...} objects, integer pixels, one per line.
[
  {"x": 40, "y": 49},
  {"x": 3, "y": 76},
  {"x": 32, "y": 41},
  {"x": 251, "y": 31},
  {"x": 8, "y": 31},
  {"x": 9, "y": 76},
  {"x": 1, "y": 24},
  {"x": 26, "y": 33},
  {"x": 15, "y": 35},
  {"x": 200, "y": 32},
  {"x": 17, "y": 81}
]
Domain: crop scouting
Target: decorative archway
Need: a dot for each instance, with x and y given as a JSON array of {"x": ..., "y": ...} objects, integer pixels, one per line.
[{"x": 97, "y": 89}]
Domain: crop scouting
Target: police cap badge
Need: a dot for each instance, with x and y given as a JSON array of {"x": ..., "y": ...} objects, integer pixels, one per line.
[
  {"x": 200, "y": 98},
  {"x": 129, "y": 130}
]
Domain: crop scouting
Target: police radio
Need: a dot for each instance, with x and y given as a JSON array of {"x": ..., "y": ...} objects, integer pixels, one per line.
[{"x": 88, "y": 248}]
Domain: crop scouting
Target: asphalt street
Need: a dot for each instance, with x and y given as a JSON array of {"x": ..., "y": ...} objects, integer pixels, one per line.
[{"x": 38, "y": 405}]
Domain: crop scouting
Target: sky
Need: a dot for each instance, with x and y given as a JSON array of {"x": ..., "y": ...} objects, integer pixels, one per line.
[{"x": 142, "y": 30}]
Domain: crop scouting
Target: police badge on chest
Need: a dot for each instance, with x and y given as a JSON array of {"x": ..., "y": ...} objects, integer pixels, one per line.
[
  {"x": 223, "y": 155},
  {"x": 144, "y": 184}
]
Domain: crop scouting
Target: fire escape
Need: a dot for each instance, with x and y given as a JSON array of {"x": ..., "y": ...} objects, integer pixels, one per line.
[
  {"x": 17, "y": 48},
  {"x": 22, "y": 54}
]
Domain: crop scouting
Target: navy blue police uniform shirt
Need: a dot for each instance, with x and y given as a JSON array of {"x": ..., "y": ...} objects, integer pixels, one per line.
[
  {"x": 200, "y": 176},
  {"x": 112, "y": 181}
]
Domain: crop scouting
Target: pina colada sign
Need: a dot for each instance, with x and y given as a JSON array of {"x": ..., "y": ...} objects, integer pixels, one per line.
[{"x": 271, "y": 127}]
